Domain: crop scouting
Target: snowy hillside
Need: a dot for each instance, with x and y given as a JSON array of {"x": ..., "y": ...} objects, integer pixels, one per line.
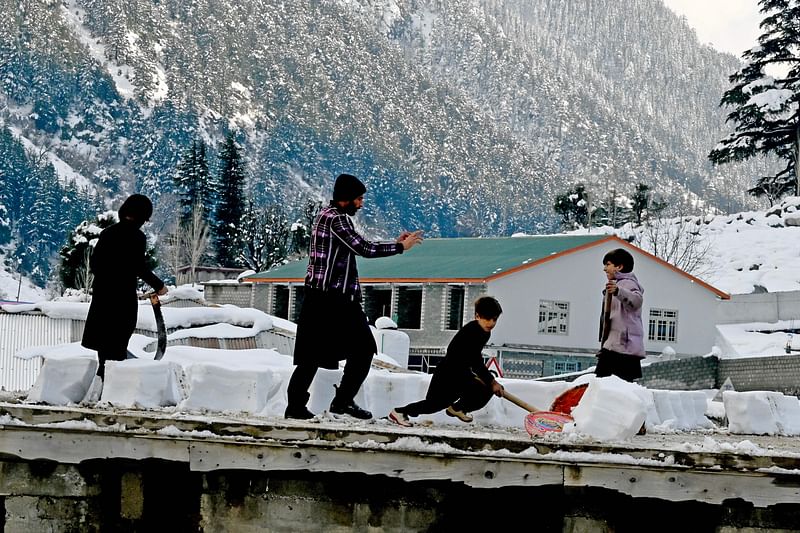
[{"x": 751, "y": 251}]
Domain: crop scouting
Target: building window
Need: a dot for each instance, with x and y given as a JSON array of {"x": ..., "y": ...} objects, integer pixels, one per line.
[
  {"x": 409, "y": 307},
  {"x": 377, "y": 302},
  {"x": 562, "y": 367},
  {"x": 553, "y": 317},
  {"x": 299, "y": 296},
  {"x": 455, "y": 308},
  {"x": 663, "y": 325},
  {"x": 280, "y": 301}
]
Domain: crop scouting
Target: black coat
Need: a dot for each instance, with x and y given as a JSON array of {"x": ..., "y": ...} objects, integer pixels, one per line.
[
  {"x": 118, "y": 259},
  {"x": 464, "y": 358},
  {"x": 331, "y": 327}
]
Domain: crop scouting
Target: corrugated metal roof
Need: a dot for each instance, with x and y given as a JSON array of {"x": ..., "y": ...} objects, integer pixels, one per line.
[
  {"x": 453, "y": 259},
  {"x": 22, "y": 330}
]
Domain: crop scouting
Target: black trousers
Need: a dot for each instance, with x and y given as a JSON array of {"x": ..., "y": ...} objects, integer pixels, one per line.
[
  {"x": 119, "y": 354},
  {"x": 622, "y": 365},
  {"x": 355, "y": 372},
  {"x": 464, "y": 394}
]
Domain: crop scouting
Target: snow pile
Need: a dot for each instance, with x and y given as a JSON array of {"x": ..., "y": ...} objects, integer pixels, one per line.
[
  {"x": 139, "y": 383},
  {"x": 610, "y": 409},
  {"x": 756, "y": 339},
  {"x": 762, "y": 413},
  {"x": 221, "y": 321},
  {"x": 63, "y": 380},
  {"x": 254, "y": 382}
]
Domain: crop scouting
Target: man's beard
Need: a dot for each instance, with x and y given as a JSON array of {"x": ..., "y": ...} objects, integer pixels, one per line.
[{"x": 350, "y": 208}]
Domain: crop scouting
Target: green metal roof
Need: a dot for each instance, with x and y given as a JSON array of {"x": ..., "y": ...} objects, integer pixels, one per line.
[{"x": 451, "y": 259}]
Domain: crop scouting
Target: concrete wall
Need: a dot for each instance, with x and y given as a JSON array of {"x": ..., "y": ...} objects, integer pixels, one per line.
[
  {"x": 155, "y": 495},
  {"x": 240, "y": 294},
  {"x": 691, "y": 373},
  {"x": 760, "y": 307}
]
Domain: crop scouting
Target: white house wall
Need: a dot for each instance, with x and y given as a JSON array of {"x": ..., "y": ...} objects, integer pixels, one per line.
[{"x": 578, "y": 278}]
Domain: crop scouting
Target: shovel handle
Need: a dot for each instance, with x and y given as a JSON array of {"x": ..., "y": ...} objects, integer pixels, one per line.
[
  {"x": 519, "y": 402},
  {"x": 516, "y": 400}
]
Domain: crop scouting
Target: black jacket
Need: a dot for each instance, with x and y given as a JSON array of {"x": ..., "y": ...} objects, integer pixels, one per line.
[
  {"x": 465, "y": 357},
  {"x": 118, "y": 259}
]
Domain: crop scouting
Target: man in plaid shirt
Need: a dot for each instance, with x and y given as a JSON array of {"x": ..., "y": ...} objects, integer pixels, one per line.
[{"x": 332, "y": 325}]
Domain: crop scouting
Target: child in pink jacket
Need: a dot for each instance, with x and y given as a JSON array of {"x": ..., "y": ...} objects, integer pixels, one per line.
[{"x": 623, "y": 345}]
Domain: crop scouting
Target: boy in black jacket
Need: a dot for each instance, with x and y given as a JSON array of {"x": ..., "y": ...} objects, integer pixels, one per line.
[{"x": 454, "y": 386}]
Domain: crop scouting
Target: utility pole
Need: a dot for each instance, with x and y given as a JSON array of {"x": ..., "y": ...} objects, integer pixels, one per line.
[{"x": 19, "y": 287}]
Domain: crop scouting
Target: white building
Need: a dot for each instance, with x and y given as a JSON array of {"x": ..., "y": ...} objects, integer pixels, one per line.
[{"x": 550, "y": 288}]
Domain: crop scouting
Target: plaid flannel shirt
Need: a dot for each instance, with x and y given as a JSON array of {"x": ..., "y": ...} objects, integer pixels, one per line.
[{"x": 332, "y": 253}]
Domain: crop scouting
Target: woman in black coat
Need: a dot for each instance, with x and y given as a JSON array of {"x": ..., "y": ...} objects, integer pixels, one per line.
[{"x": 118, "y": 259}]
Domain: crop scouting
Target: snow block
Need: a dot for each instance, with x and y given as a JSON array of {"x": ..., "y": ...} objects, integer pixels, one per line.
[
  {"x": 681, "y": 410},
  {"x": 63, "y": 381},
  {"x": 141, "y": 383},
  {"x": 761, "y": 413},
  {"x": 275, "y": 401},
  {"x": 385, "y": 390},
  {"x": 610, "y": 410},
  {"x": 322, "y": 390},
  {"x": 217, "y": 388}
]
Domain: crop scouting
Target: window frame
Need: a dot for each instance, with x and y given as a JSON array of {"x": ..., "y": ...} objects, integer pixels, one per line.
[
  {"x": 448, "y": 309},
  {"x": 400, "y": 290},
  {"x": 544, "y": 318},
  {"x": 659, "y": 319}
]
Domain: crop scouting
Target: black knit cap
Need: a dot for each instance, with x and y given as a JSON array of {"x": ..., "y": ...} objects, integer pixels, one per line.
[
  {"x": 347, "y": 187},
  {"x": 137, "y": 207}
]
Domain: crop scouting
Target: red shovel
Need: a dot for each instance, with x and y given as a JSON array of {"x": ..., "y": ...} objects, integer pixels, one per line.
[{"x": 539, "y": 422}]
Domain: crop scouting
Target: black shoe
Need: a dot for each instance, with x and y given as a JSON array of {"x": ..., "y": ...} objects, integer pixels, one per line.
[
  {"x": 300, "y": 413},
  {"x": 351, "y": 409}
]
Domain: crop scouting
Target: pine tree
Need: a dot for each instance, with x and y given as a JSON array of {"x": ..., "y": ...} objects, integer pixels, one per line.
[
  {"x": 193, "y": 183},
  {"x": 300, "y": 231},
  {"x": 75, "y": 254},
  {"x": 264, "y": 237},
  {"x": 74, "y": 269},
  {"x": 231, "y": 204},
  {"x": 644, "y": 205},
  {"x": 573, "y": 207},
  {"x": 765, "y": 107}
]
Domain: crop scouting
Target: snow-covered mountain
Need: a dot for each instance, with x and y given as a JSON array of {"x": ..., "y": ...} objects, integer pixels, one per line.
[{"x": 465, "y": 117}]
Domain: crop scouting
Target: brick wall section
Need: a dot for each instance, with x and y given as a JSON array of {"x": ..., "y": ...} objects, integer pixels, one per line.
[
  {"x": 778, "y": 374},
  {"x": 781, "y": 373},
  {"x": 692, "y": 373},
  {"x": 228, "y": 293}
]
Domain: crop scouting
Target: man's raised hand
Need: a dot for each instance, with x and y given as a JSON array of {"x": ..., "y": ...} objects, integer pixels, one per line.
[{"x": 410, "y": 238}]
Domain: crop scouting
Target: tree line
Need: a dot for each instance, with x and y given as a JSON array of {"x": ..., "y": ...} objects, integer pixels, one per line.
[
  {"x": 209, "y": 219},
  {"x": 580, "y": 208}
]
